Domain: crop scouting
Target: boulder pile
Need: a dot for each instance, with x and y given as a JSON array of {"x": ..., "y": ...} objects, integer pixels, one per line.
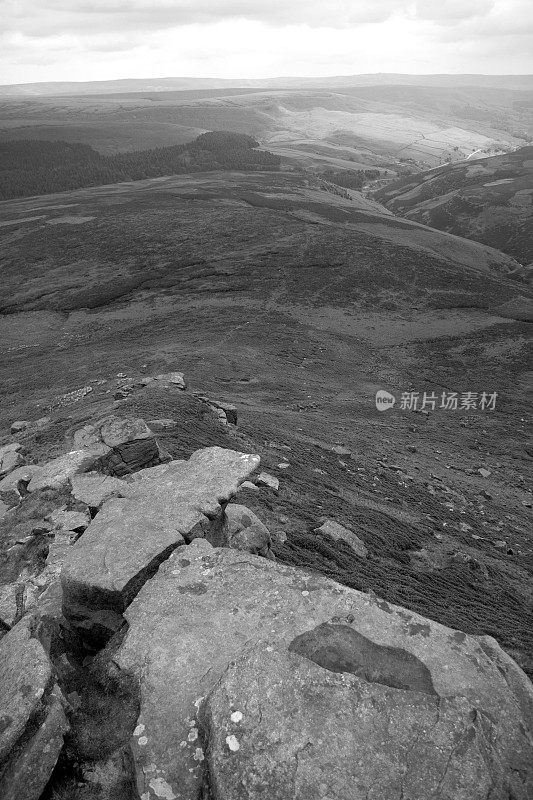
[{"x": 248, "y": 679}]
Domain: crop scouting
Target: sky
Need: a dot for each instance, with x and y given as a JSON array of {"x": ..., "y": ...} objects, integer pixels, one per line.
[{"x": 62, "y": 40}]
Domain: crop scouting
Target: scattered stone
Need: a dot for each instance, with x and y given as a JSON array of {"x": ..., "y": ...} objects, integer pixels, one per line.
[
  {"x": 158, "y": 425},
  {"x": 485, "y": 473},
  {"x": 58, "y": 472},
  {"x": 412, "y": 448},
  {"x": 341, "y": 451},
  {"x": 265, "y": 479},
  {"x": 527, "y": 503},
  {"x": 75, "y": 396},
  {"x": 501, "y": 544},
  {"x": 10, "y": 459},
  {"x": 165, "y": 506},
  {"x": 19, "y": 426},
  {"x": 94, "y": 489},
  {"x": 336, "y": 531},
  {"x": 32, "y": 719},
  {"x": 284, "y": 465},
  {"x": 193, "y": 619},
  {"x": 486, "y": 494},
  {"x": 243, "y": 530},
  {"x": 174, "y": 378},
  {"x": 248, "y": 485}
]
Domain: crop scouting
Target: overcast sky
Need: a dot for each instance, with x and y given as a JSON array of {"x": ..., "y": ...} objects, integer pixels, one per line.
[{"x": 101, "y": 39}]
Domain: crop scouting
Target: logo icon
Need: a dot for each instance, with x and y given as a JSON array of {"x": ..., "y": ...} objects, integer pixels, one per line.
[{"x": 384, "y": 400}]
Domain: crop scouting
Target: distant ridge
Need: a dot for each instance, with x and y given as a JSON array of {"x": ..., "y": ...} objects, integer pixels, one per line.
[{"x": 126, "y": 85}]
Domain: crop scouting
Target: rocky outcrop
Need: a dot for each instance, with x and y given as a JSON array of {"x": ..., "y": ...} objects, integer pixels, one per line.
[
  {"x": 243, "y": 530},
  {"x": 32, "y": 718},
  {"x": 339, "y": 532},
  {"x": 124, "y": 445},
  {"x": 305, "y": 680},
  {"x": 164, "y": 507}
]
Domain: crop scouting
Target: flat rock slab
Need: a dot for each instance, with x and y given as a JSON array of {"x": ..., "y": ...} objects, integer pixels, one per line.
[
  {"x": 278, "y": 725},
  {"x": 94, "y": 489},
  {"x": 164, "y": 506},
  {"x": 205, "y": 605},
  {"x": 58, "y": 472},
  {"x": 32, "y": 720},
  {"x": 336, "y": 531}
]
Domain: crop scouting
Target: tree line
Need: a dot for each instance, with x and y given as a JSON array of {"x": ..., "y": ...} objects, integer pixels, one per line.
[{"x": 29, "y": 167}]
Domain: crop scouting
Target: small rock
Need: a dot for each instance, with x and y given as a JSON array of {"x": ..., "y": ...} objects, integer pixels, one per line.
[
  {"x": 265, "y": 479},
  {"x": 284, "y": 465},
  {"x": 175, "y": 378},
  {"x": 249, "y": 485},
  {"x": 163, "y": 424},
  {"x": 19, "y": 426},
  {"x": 485, "y": 473},
  {"x": 486, "y": 494},
  {"x": 243, "y": 530},
  {"x": 336, "y": 531},
  {"x": 341, "y": 451},
  {"x": 501, "y": 544}
]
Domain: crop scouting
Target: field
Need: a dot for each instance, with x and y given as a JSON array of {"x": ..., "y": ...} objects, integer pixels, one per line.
[{"x": 297, "y": 304}]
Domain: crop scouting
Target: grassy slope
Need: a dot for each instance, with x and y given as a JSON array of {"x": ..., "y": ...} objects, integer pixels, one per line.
[
  {"x": 489, "y": 200},
  {"x": 297, "y": 305}
]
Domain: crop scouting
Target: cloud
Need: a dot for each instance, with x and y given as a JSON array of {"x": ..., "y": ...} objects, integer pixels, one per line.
[{"x": 96, "y": 39}]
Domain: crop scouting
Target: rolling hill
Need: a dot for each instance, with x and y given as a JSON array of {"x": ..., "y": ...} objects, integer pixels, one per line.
[
  {"x": 489, "y": 200},
  {"x": 394, "y": 127}
]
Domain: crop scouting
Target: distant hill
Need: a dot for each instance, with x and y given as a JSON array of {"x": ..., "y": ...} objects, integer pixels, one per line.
[
  {"x": 489, "y": 200},
  {"x": 37, "y": 167},
  {"x": 45, "y": 88}
]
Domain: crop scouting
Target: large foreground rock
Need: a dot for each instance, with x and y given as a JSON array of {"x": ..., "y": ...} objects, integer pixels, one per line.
[
  {"x": 164, "y": 507},
  {"x": 280, "y": 726},
  {"x": 32, "y": 719},
  {"x": 464, "y": 707}
]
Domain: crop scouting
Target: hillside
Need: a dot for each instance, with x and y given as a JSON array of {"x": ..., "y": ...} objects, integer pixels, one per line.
[
  {"x": 489, "y": 200},
  {"x": 394, "y": 127},
  {"x": 166, "y": 342}
]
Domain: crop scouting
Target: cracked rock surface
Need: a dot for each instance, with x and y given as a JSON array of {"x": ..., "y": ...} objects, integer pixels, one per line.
[{"x": 207, "y": 606}]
